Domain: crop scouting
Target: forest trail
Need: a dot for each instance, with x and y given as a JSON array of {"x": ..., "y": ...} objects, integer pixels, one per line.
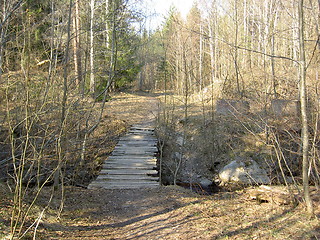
[
  {"x": 143, "y": 213},
  {"x": 118, "y": 212},
  {"x": 169, "y": 212},
  {"x": 132, "y": 163}
]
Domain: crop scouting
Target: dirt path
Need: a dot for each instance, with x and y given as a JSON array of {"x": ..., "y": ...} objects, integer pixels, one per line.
[
  {"x": 176, "y": 213},
  {"x": 127, "y": 214},
  {"x": 171, "y": 212},
  {"x": 139, "y": 108}
]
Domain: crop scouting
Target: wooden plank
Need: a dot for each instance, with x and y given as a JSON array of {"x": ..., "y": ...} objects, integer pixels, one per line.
[
  {"x": 134, "y": 144},
  {"x": 142, "y": 132},
  {"x": 136, "y": 186},
  {"x": 126, "y": 163},
  {"x": 128, "y": 177},
  {"x": 131, "y": 145},
  {"x": 135, "y": 149},
  {"x": 140, "y": 141},
  {"x": 124, "y": 182},
  {"x": 132, "y": 157},
  {"x": 129, "y": 164},
  {"x": 140, "y": 148},
  {"x": 132, "y": 152},
  {"x": 137, "y": 146},
  {"x": 109, "y": 185},
  {"x": 141, "y": 135},
  {"x": 142, "y": 128},
  {"x": 129, "y": 167},
  {"x": 138, "y": 138},
  {"x": 145, "y": 148},
  {"x": 128, "y": 171},
  {"x": 132, "y": 162},
  {"x": 152, "y": 141},
  {"x": 133, "y": 128}
]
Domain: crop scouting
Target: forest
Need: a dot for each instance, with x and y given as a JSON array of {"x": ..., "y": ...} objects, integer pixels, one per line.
[{"x": 234, "y": 79}]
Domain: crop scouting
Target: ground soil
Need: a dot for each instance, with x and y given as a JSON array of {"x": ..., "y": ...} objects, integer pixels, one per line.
[
  {"x": 175, "y": 213},
  {"x": 169, "y": 212}
]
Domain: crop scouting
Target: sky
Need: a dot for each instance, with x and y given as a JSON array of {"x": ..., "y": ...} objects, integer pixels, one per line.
[{"x": 162, "y": 7}]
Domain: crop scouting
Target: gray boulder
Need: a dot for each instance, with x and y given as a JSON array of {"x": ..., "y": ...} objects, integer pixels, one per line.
[
  {"x": 244, "y": 172},
  {"x": 204, "y": 182}
]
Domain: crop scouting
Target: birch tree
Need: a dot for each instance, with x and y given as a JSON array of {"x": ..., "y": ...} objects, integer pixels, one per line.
[
  {"x": 107, "y": 36},
  {"x": 77, "y": 47},
  {"x": 92, "y": 76}
]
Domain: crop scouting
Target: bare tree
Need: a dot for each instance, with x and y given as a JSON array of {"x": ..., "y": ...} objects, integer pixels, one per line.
[
  {"x": 236, "y": 52},
  {"x": 62, "y": 138},
  {"x": 304, "y": 118},
  {"x": 107, "y": 36},
  {"x": 77, "y": 47},
  {"x": 92, "y": 77},
  {"x": 7, "y": 9}
]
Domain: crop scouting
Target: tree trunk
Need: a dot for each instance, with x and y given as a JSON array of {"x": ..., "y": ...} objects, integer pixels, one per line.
[
  {"x": 76, "y": 48},
  {"x": 273, "y": 71},
  {"x": 318, "y": 31},
  {"x": 62, "y": 140},
  {"x": 113, "y": 58},
  {"x": 92, "y": 77},
  {"x": 236, "y": 50},
  {"x": 2, "y": 36},
  {"x": 201, "y": 85},
  {"x": 107, "y": 25},
  {"x": 212, "y": 51},
  {"x": 304, "y": 118},
  {"x": 7, "y": 10}
]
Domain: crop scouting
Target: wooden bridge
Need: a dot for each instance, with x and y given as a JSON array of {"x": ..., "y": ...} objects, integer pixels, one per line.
[{"x": 132, "y": 164}]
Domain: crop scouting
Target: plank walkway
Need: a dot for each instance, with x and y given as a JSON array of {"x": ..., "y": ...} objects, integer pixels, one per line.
[{"x": 132, "y": 164}]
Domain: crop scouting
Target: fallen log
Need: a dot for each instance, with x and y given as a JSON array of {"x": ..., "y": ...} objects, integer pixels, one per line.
[{"x": 272, "y": 195}]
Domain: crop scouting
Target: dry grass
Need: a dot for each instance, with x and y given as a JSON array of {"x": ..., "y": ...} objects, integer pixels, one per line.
[{"x": 165, "y": 213}]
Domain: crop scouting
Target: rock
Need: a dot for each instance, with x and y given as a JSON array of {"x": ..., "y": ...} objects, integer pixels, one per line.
[
  {"x": 244, "y": 172},
  {"x": 232, "y": 107},
  {"x": 283, "y": 107},
  {"x": 177, "y": 155},
  {"x": 271, "y": 194},
  {"x": 208, "y": 185},
  {"x": 180, "y": 140},
  {"x": 204, "y": 182}
]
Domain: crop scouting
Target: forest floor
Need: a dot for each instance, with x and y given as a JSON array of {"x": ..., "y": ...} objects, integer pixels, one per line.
[{"x": 167, "y": 212}]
